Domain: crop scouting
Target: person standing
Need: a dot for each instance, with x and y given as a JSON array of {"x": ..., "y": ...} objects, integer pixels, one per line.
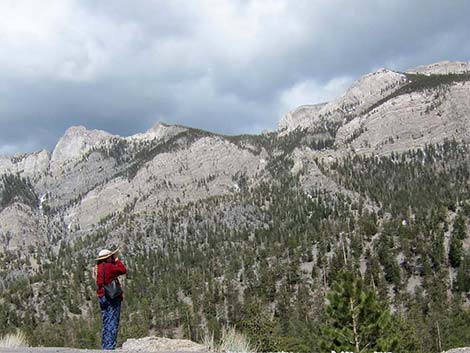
[{"x": 108, "y": 269}]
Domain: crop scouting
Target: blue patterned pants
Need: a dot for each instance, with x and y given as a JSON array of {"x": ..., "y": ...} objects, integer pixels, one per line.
[{"x": 111, "y": 312}]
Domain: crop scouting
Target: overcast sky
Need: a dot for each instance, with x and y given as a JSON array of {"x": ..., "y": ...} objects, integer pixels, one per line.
[{"x": 229, "y": 66}]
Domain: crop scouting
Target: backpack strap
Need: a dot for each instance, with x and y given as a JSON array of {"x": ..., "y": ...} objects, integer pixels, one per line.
[{"x": 104, "y": 283}]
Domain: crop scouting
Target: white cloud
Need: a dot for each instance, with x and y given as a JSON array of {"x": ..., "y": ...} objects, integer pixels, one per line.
[{"x": 58, "y": 39}]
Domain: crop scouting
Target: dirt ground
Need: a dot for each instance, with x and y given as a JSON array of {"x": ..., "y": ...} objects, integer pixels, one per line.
[{"x": 67, "y": 350}]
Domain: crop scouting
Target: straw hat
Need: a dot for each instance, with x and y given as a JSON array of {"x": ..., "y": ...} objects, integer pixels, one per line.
[{"x": 105, "y": 253}]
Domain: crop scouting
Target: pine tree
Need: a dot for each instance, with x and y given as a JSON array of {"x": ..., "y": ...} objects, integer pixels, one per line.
[
  {"x": 356, "y": 321},
  {"x": 462, "y": 282},
  {"x": 455, "y": 251},
  {"x": 262, "y": 330}
]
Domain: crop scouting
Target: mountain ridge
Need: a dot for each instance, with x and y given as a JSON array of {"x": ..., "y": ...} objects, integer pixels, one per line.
[{"x": 383, "y": 112}]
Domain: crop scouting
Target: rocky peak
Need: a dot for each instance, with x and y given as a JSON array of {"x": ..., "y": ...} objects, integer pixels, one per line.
[
  {"x": 29, "y": 165},
  {"x": 369, "y": 88},
  {"x": 428, "y": 110},
  {"x": 301, "y": 117},
  {"x": 76, "y": 141},
  {"x": 365, "y": 92},
  {"x": 369, "y": 91}
]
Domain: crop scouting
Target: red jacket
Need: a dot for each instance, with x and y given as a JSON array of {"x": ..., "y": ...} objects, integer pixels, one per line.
[{"x": 111, "y": 271}]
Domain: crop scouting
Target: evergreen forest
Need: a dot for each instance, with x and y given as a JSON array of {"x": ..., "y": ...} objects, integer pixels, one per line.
[{"x": 382, "y": 264}]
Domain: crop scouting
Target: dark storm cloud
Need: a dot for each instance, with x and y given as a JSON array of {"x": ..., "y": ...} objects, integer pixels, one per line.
[{"x": 230, "y": 66}]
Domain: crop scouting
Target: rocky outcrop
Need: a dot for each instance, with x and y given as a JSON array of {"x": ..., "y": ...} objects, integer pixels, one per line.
[
  {"x": 411, "y": 121},
  {"x": 161, "y": 344},
  {"x": 362, "y": 95},
  {"x": 389, "y": 111},
  {"x": 365, "y": 92},
  {"x": 459, "y": 350},
  {"x": 93, "y": 175},
  {"x": 310, "y": 175},
  {"x": 30, "y": 165},
  {"x": 211, "y": 166},
  {"x": 302, "y": 117},
  {"x": 20, "y": 226},
  {"x": 76, "y": 141}
]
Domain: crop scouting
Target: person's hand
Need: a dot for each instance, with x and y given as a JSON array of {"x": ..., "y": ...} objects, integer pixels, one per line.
[{"x": 103, "y": 303}]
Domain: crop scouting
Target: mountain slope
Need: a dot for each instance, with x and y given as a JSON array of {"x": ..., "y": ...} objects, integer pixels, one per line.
[{"x": 389, "y": 111}]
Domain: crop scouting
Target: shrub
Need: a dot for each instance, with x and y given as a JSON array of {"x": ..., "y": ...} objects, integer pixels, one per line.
[
  {"x": 14, "y": 340},
  {"x": 231, "y": 341}
]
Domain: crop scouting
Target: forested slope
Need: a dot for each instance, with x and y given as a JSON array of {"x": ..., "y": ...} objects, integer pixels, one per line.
[{"x": 265, "y": 259}]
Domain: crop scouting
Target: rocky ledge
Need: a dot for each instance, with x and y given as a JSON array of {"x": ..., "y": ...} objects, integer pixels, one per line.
[
  {"x": 150, "y": 344},
  {"x": 162, "y": 344}
]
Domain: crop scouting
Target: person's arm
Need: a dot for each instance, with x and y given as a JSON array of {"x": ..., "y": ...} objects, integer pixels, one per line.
[
  {"x": 99, "y": 275},
  {"x": 118, "y": 268}
]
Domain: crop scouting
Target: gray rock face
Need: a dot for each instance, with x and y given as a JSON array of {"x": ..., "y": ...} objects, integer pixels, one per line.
[
  {"x": 363, "y": 93},
  {"x": 209, "y": 167},
  {"x": 76, "y": 141},
  {"x": 310, "y": 175},
  {"x": 410, "y": 121},
  {"x": 84, "y": 159},
  {"x": 20, "y": 227},
  {"x": 92, "y": 175},
  {"x": 32, "y": 165},
  {"x": 302, "y": 117},
  {"x": 378, "y": 115},
  {"x": 371, "y": 119}
]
